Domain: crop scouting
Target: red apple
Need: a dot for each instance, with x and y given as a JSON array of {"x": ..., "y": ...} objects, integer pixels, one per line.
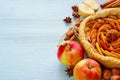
[
  {"x": 87, "y": 69},
  {"x": 70, "y": 52}
]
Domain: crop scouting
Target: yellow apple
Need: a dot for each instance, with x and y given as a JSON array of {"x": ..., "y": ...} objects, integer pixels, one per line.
[
  {"x": 85, "y": 10},
  {"x": 93, "y": 4},
  {"x": 70, "y": 52},
  {"x": 88, "y": 7}
]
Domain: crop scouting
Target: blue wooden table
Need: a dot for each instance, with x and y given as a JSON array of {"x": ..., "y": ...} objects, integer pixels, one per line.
[{"x": 29, "y": 34}]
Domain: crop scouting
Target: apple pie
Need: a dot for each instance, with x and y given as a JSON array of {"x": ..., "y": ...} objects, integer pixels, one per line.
[{"x": 100, "y": 36}]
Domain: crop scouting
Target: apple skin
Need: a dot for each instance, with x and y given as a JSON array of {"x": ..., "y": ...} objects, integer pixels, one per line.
[
  {"x": 87, "y": 69},
  {"x": 70, "y": 52}
]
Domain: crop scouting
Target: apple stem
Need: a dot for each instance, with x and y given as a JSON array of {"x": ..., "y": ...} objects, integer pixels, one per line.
[
  {"x": 69, "y": 48},
  {"x": 62, "y": 43},
  {"x": 90, "y": 66}
]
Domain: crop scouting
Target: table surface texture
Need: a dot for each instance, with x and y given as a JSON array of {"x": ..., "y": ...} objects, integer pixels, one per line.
[{"x": 29, "y": 33}]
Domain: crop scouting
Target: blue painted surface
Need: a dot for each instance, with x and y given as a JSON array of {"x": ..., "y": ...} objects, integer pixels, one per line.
[{"x": 29, "y": 34}]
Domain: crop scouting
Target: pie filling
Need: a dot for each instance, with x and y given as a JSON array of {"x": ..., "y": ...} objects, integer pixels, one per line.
[{"x": 104, "y": 35}]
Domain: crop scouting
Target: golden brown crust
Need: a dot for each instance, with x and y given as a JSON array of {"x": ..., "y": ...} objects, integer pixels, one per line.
[{"x": 107, "y": 61}]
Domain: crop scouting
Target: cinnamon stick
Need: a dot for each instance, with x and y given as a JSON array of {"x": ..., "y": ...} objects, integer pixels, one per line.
[
  {"x": 70, "y": 34},
  {"x": 106, "y": 3},
  {"x": 73, "y": 37},
  {"x": 116, "y": 3}
]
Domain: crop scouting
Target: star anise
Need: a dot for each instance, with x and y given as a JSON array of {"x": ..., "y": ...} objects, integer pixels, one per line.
[
  {"x": 69, "y": 71},
  {"x": 112, "y": 35},
  {"x": 67, "y": 19},
  {"x": 76, "y": 15},
  {"x": 75, "y": 8}
]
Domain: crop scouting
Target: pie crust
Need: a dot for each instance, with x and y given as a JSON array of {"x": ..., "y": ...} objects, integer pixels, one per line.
[{"x": 107, "y": 61}]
